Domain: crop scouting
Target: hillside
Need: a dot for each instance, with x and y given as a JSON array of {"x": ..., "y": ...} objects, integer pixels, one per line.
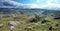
[{"x": 29, "y": 20}]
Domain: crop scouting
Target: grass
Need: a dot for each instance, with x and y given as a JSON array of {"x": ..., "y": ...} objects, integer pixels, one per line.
[{"x": 24, "y": 25}]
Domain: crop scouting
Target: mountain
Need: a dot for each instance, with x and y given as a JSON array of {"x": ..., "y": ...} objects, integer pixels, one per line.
[
  {"x": 27, "y": 11},
  {"x": 21, "y": 11},
  {"x": 17, "y": 8},
  {"x": 52, "y": 8},
  {"x": 50, "y": 12}
]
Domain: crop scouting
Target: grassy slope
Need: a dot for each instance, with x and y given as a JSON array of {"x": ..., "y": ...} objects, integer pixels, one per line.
[{"x": 24, "y": 25}]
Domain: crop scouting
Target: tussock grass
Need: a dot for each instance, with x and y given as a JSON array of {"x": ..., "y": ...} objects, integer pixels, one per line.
[{"x": 24, "y": 25}]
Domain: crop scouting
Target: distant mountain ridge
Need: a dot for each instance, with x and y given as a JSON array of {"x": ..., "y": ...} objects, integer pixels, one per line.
[
  {"x": 20, "y": 11},
  {"x": 51, "y": 12},
  {"x": 26, "y": 11}
]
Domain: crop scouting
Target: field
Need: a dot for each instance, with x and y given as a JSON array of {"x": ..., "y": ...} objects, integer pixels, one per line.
[{"x": 28, "y": 23}]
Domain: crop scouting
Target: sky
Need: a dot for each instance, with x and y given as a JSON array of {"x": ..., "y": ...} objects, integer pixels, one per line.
[{"x": 33, "y": 3}]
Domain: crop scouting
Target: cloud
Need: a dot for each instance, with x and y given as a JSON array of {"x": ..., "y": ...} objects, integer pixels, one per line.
[
  {"x": 10, "y": 2},
  {"x": 19, "y": 5},
  {"x": 48, "y": 5},
  {"x": 13, "y": 2},
  {"x": 51, "y": 5}
]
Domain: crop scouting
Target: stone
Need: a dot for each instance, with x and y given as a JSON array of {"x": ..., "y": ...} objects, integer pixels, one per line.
[
  {"x": 1, "y": 25},
  {"x": 11, "y": 27},
  {"x": 14, "y": 23}
]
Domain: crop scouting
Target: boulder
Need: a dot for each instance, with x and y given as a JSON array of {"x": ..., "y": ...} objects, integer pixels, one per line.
[
  {"x": 13, "y": 23},
  {"x": 1, "y": 25},
  {"x": 11, "y": 27}
]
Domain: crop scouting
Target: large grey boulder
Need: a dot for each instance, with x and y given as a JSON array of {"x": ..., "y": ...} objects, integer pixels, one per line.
[{"x": 13, "y": 23}]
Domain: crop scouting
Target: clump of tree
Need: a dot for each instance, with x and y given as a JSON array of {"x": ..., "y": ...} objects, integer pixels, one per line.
[
  {"x": 50, "y": 28},
  {"x": 44, "y": 21},
  {"x": 35, "y": 19}
]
